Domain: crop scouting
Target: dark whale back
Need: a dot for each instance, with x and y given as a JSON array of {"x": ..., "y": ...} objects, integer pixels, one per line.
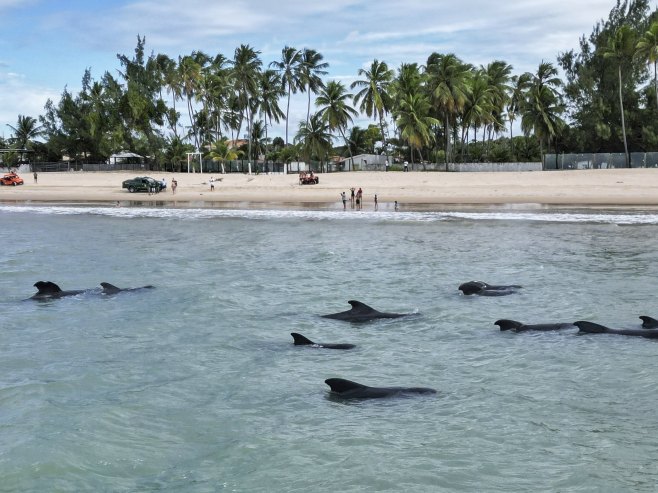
[
  {"x": 48, "y": 289},
  {"x": 112, "y": 289},
  {"x": 360, "y": 312},
  {"x": 353, "y": 390},
  {"x": 481, "y": 288},
  {"x": 300, "y": 340},
  {"x": 648, "y": 322},
  {"x": 506, "y": 324},
  {"x": 593, "y": 328}
]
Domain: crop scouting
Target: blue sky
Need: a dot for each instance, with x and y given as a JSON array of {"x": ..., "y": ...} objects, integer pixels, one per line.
[{"x": 45, "y": 45}]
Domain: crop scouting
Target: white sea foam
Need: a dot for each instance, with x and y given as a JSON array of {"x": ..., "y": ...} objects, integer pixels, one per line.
[{"x": 547, "y": 215}]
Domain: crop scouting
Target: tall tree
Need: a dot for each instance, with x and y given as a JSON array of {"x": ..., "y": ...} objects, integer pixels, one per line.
[
  {"x": 288, "y": 68},
  {"x": 647, "y": 50},
  {"x": 246, "y": 74},
  {"x": 414, "y": 121},
  {"x": 519, "y": 84},
  {"x": 311, "y": 69},
  {"x": 374, "y": 95},
  {"x": 542, "y": 107},
  {"x": 270, "y": 91},
  {"x": 448, "y": 85},
  {"x": 189, "y": 77},
  {"x": 335, "y": 109},
  {"x": 620, "y": 49}
]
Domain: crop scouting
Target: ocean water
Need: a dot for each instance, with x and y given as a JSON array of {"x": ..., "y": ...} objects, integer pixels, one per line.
[{"x": 195, "y": 386}]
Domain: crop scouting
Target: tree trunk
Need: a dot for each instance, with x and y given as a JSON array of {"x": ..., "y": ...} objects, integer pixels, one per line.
[
  {"x": 623, "y": 122},
  {"x": 655, "y": 82},
  {"x": 287, "y": 114},
  {"x": 349, "y": 148}
]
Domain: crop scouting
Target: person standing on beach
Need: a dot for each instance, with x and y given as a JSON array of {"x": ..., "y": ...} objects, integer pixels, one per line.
[
  {"x": 359, "y": 199},
  {"x": 35, "y": 177},
  {"x": 396, "y": 205},
  {"x": 344, "y": 199},
  {"x": 352, "y": 197},
  {"x": 375, "y": 201},
  {"x": 174, "y": 184},
  {"x": 212, "y": 184}
]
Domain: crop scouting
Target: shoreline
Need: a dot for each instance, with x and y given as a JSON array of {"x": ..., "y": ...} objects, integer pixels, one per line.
[{"x": 614, "y": 188}]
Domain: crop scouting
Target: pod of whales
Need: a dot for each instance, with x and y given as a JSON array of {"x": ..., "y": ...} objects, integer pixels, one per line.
[
  {"x": 481, "y": 288},
  {"x": 347, "y": 389},
  {"x": 515, "y": 326},
  {"x": 300, "y": 340},
  {"x": 592, "y": 328},
  {"x": 360, "y": 312},
  {"x": 47, "y": 290}
]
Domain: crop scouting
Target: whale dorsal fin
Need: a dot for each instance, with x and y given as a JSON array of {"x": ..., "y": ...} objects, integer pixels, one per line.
[
  {"x": 585, "y": 326},
  {"x": 109, "y": 288},
  {"x": 47, "y": 287},
  {"x": 300, "y": 340},
  {"x": 362, "y": 307},
  {"x": 506, "y": 324},
  {"x": 649, "y": 322},
  {"x": 341, "y": 385}
]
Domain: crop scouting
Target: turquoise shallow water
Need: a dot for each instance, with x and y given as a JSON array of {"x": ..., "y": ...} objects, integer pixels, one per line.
[{"x": 196, "y": 386}]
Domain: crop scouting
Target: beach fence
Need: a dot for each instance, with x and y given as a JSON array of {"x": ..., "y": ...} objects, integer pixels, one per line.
[{"x": 600, "y": 160}]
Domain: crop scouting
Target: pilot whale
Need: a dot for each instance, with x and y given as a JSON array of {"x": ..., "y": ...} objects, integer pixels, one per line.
[
  {"x": 112, "y": 289},
  {"x": 50, "y": 290},
  {"x": 352, "y": 390},
  {"x": 300, "y": 340},
  {"x": 648, "y": 322},
  {"x": 515, "y": 326},
  {"x": 360, "y": 312},
  {"x": 481, "y": 288},
  {"x": 592, "y": 328}
]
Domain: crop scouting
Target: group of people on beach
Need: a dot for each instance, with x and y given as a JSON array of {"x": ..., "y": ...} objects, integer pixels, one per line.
[{"x": 356, "y": 199}]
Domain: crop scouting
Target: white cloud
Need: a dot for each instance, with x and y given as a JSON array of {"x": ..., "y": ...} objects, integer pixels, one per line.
[{"x": 19, "y": 97}]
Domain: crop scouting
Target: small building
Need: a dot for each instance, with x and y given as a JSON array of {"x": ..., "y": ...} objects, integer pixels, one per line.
[{"x": 125, "y": 157}]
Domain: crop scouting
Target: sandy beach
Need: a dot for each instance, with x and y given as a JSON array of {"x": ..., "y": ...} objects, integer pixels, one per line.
[{"x": 614, "y": 187}]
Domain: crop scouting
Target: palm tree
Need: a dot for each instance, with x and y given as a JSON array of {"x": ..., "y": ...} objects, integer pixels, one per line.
[
  {"x": 357, "y": 141},
  {"x": 167, "y": 78},
  {"x": 288, "y": 69},
  {"x": 414, "y": 122},
  {"x": 246, "y": 73},
  {"x": 541, "y": 114},
  {"x": 541, "y": 107},
  {"x": 517, "y": 93},
  {"x": 448, "y": 83},
  {"x": 270, "y": 91},
  {"x": 647, "y": 49},
  {"x": 314, "y": 138},
  {"x": 25, "y": 131},
  {"x": 335, "y": 109},
  {"x": 478, "y": 109},
  {"x": 620, "y": 48},
  {"x": 189, "y": 76},
  {"x": 221, "y": 152},
  {"x": 310, "y": 70},
  {"x": 375, "y": 98},
  {"x": 498, "y": 74}
]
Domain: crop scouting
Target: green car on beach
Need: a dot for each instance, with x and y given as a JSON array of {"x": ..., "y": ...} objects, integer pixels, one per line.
[{"x": 143, "y": 184}]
